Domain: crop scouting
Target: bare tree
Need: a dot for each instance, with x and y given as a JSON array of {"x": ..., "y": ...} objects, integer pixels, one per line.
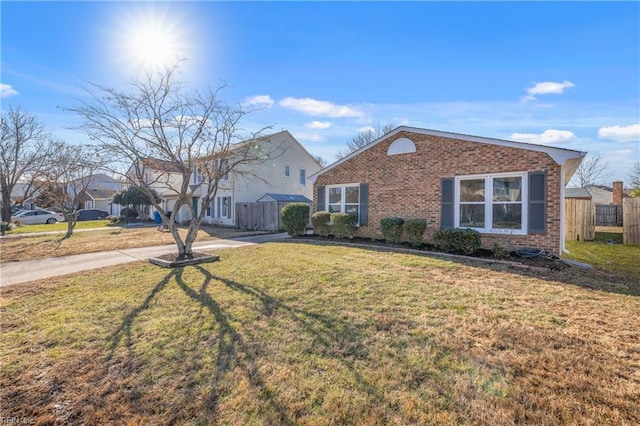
[
  {"x": 160, "y": 122},
  {"x": 25, "y": 147},
  {"x": 592, "y": 171},
  {"x": 320, "y": 160},
  {"x": 69, "y": 174},
  {"x": 365, "y": 137},
  {"x": 634, "y": 179}
]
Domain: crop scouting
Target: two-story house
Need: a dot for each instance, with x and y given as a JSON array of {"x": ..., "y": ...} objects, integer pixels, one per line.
[{"x": 284, "y": 172}]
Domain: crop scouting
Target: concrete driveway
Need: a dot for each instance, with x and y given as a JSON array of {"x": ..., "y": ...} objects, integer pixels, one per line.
[{"x": 21, "y": 272}]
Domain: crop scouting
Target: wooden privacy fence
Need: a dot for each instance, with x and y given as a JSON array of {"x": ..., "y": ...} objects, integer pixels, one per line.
[
  {"x": 579, "y": 220},
  {"x": 263, "y": 216},
  {"x": 631, "y": 220},
  {"x": 609, "y": 215}
]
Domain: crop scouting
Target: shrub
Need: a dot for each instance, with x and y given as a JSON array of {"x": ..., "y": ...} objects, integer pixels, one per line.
[
  {"x": 499, "y": 251},
  {"x": 391, "y": 229},
  {"x": 344, "y": 225},
  {"x": 460, "y": 241},
  {"x": 295, "y": 217},
  {"x": 414, "y": 229},
  {"x": 321, "y": 223}
]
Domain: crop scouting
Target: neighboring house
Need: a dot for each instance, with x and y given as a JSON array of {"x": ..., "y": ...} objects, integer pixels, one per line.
[
  {"x": 284, "y": 173},
  {"x": 18, "y": 192},
  {"x": 577, "y": 193},
  {"x": 101, "y": 199},
  {"x": 511, "y": 192},
  {"x": 99, "y": 191},
  {"x": 599, "y": 194}
]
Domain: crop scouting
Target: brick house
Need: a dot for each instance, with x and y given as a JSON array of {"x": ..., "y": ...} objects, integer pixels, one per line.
[{"x": 511, "y": 192}]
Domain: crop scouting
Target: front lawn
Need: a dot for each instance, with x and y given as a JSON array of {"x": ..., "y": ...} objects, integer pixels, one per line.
[
  {"x": 287, "y": 333},
  {"x": 57, "y": 227},
  {"x": 32, "y": 247}
]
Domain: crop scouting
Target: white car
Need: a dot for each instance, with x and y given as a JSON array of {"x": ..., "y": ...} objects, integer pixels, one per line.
[{"x": 38, "y": 216}]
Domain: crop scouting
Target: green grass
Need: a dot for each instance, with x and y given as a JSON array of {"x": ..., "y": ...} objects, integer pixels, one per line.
[
  {"x": 59, "y": 227},
  {"x": 607, "y": 253},
  {"x": 300, "y": 334}
]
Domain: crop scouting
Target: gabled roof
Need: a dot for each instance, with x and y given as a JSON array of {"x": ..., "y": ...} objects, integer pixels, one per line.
[
  {"x": 561, "y": 156},
  {"x": 285, "y": 198},
  {"x": 100, "y": 194}
]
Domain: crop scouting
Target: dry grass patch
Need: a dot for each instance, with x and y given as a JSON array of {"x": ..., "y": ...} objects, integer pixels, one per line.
[
  {"x": 112, "y": 238},
  {"x": 298, "y": 334}
]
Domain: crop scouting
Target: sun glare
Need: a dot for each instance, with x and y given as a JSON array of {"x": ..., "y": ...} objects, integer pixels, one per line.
[{"x": 150, "y": 39}]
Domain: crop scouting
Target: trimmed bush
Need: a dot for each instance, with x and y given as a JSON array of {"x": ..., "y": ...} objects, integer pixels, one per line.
[
  {"x": 344, "y": 225},
  {"x": 391, "y": 229},
  {"x": 295, "y": 217},
  {"x": 460, "y": 240},
  {"x": 321, "y": 223},
  {"x": 414, "y": 230}
]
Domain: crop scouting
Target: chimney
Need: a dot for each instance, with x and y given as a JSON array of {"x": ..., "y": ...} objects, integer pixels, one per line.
[{"x": 617, "y": 192}]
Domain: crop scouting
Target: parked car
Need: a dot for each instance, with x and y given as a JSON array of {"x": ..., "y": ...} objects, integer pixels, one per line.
[
  {"x": 91, "y": 214},
  {"x": 38, "y": 216}
]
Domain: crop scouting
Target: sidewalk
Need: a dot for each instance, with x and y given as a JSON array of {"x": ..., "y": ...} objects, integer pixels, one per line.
[{"x": 21, "y": 272}]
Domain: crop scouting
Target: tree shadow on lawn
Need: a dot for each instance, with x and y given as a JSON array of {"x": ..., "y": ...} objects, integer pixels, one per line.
[
  {"x": 592, "y": 279},
  {"x": 241, "y": 349}
]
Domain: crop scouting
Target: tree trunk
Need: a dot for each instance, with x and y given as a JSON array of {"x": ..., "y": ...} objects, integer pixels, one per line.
[
  {"x": 72, "y": 220},
  {"x": 6, "y": 208}
]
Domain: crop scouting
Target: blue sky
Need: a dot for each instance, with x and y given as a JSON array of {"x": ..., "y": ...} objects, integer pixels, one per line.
[{"x": 562, "y": 74}]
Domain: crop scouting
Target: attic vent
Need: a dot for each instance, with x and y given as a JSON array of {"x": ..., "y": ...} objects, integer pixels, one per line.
[{"x": 401, "y": 146}]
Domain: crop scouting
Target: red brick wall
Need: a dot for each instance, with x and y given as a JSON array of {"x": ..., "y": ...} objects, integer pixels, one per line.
[{"x": 408, "y": 185}]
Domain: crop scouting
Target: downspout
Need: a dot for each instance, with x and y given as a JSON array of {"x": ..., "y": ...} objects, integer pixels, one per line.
[{"x": 563, "y": 248}]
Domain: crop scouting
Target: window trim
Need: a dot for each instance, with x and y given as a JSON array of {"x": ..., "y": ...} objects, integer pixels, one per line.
[
  {"x": 489, "y": 203},
  {"x": 343, "y": 193},
  {"x": 220, "y": 210}
]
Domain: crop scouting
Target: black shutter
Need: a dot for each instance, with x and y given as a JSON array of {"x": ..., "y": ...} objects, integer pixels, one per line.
[
  {"x": 320, "y": 201},
  {"x": 537, "y": 202},
  {"x": 364, "y": 204},
  {"x": 446, "y": 204}
]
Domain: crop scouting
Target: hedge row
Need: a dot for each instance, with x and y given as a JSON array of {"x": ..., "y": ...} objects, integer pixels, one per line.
[
  {"x": 394, "y": 227},
  {"x": 340, "y": 225},
  {"x": 343, "y": 225}
]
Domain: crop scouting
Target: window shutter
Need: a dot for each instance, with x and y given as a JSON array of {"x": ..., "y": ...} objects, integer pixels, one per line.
[
  {"x": 321, "y": 198},
  {"x": 446, "y": 204},
  {"x": 364, "y": 204},
  {"x": 537, "y": 202}
]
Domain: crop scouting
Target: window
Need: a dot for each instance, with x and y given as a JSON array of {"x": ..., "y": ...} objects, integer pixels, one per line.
[
  {"x": 224, "y": 207},
  {"x": 303, "y": 177},
  {"x": 344, "y": 199},
  {"x": 222, "y": 169},
  {"x": 209, "y": 209},
  {"x": 401, "y": 146},
  {"x": 287, "y": 171},
  {"x": 492, "y": 203}
]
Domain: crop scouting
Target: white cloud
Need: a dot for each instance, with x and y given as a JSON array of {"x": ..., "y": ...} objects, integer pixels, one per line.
[
  {"x": 315, "y": 107},
  {"x": 6, "y": 90},
  {"x": 262, "y": 101},
  {"x": 319, "y": 125},
  {"x": 550, "y": 136},
  {"x": 545, "y": 88},
  {"x": 309, "y": 137},
  {"x": 630, "y": 133}
]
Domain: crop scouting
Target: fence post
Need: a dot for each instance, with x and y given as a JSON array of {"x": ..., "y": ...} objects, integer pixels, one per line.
[{"x": 631, "y": 221}]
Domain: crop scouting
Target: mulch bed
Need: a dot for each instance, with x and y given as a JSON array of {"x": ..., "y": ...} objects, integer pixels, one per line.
[{"x": 544, "y": 262}]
